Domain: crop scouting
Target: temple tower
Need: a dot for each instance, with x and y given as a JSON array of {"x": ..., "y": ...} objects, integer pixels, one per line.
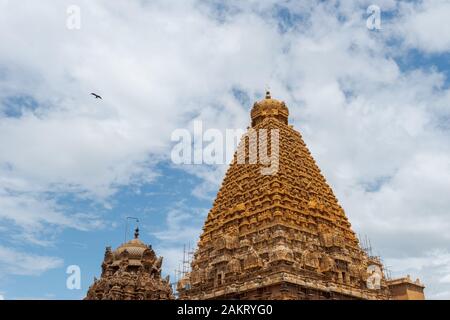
[
  {"x": 279, "y": 233},
  {"x": 131, "y": 272}
]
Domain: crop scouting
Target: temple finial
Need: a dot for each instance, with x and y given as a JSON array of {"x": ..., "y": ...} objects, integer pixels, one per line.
[
  {"x": 136, "y": 232},
  {"x": 267, "y": 92}
]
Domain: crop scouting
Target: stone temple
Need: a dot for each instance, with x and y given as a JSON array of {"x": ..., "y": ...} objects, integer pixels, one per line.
[
  {"x": 131, "y": 272},
  {"x": 282, "y": 235}
]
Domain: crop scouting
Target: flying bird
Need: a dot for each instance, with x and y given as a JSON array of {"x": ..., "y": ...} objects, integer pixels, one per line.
[{"x": 96, "y": 96}]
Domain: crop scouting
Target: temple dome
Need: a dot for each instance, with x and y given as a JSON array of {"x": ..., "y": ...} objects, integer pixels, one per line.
[
  {"x": 269, "y": 107},
  {"x": 133, "y": 251},
  {"x": 131, "y": 272}
]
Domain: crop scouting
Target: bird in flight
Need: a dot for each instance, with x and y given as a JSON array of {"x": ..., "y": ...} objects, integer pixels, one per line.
[{"x": 96, "y": 96}]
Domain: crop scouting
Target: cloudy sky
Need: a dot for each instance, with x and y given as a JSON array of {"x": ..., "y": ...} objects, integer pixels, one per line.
[{"x": 373, "y": 106}]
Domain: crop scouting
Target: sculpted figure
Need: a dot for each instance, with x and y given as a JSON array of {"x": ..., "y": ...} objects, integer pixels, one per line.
[
  {"x": 326, "y": 263},
  {"x": 281, "y": 252},
  {"x": 196, "y": 275},
  {"x": 310, "y": 258},
  {"x": 158, "y": 264},
  {"x": 234, "y": 266},
  {"x": 252, "y": 259}
]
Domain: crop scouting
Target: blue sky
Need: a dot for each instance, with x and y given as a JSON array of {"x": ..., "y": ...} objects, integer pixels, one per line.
[
  {"x": 372, "y": 105},
  {"x": 149, "y": 203}
]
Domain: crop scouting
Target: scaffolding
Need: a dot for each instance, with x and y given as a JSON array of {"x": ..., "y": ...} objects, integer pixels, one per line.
[
  {"x": 366, "y": 246},
  {"x": 184, "y": 266}
]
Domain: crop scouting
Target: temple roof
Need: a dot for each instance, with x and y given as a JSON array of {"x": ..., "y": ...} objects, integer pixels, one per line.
[
  {"x": 132, "y": 271},
  {"x": 269, "y": 107},
  {"x": 132, "y": 250}
]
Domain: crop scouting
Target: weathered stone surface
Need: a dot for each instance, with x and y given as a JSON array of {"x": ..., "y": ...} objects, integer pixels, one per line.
[{"x": 132, "y": 272}]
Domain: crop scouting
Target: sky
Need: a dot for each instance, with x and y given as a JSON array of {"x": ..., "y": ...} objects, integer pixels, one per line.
[{"x": 373, "y": 106}]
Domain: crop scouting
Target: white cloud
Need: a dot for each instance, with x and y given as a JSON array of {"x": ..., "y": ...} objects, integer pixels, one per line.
[
  {"x": 36, "y": 218},
  {"x": 181, "y": 224},
  {"x": 26, "y": 264},
  {"x": 425, "y": 25},
  {"x": 73, "y": 143}
]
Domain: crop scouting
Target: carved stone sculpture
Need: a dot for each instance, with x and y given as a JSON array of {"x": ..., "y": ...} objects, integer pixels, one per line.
[{"x": 131, "y": 272}]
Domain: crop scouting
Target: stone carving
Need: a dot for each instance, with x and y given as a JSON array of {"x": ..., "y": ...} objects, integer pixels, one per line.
[
  {"x": 252, "y": 260},
  {"x": 281, "y": 252},
  {"x": 234, "y": 266},
  {"x": 327, "y": 264},
  {"x": 310, "y": 258},
  {"x": 132, "y": 272},
  {"x": 195, "y": 275},
  {"x": 326, "y": 239}
]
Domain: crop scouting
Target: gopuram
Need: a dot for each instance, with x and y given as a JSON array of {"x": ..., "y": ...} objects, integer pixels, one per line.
[{"x": 281, "y": 234}]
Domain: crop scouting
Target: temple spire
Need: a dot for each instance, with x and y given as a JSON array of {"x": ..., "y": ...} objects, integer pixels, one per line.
[
  {"x": 136, "y": 233},
  {"x": 277, "y": 236},
  {"x": 269, "y": 108}
]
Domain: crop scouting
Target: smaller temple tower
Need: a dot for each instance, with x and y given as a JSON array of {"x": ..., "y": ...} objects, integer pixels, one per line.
[{"x": 131, "y": 272}]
